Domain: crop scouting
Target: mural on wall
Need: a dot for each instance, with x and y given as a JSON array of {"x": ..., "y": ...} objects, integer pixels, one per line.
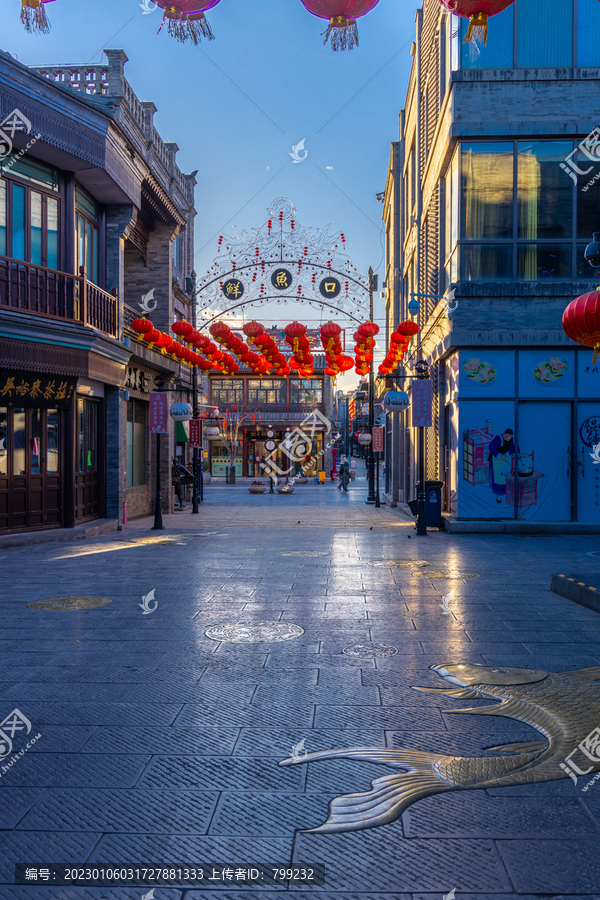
[
  {"x": 588, "y": 376},
  {"x": 487, "y": 453},
  {"x": 543, "y": 376},
  {"x": 491, "y": 374}
]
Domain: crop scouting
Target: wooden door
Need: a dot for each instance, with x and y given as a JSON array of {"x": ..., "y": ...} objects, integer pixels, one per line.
[
  {"x": 87, "y": 465},
  {"x": 30, "y": 482}
]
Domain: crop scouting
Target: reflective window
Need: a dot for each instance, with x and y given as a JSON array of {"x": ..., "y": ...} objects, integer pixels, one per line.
[
  {"x": 136, "y": 442},
  {"x": 545, "y": 193},
  {"x": 540, "y": 261},
  {"x": 486, "y": 262},
  {"x": 52, "y": 441},
  {"x": 227, "y": 391},
  {"x": 18, "y": 222},
  {"x": 36, "y": 441},
  {"x": 545, "y": 35},
  {"x": 35, "y": 228},
  {"x": 266, "y": 392},
  {"x": 3, "y": 440},
  {"x": 2, "y": 217},
  {"x": 588, "y": 29},
  {"x": 52, "y": 234},
  {"x": 19, "y": 440},
  {"x": 588, "y": 193},
  {"x": 486, "y": 190},
  {"x": 497, "y": 52},
  {"x": 307, "y": 392}
]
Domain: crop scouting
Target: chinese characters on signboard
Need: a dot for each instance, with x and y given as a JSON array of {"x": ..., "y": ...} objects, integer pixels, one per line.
[
  {"x": 378, "y": 440},
  {"x": 36, "y": 389},
  {"x": 421, "y": 402},
  {"x": 159, "y": 413},
  {"x": 195, "y": 432},
  {"x": 137, "y": 381}
]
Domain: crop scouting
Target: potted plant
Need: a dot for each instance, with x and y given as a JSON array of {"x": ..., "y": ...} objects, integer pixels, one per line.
[
  {"x": 257, "y": 487},
  {"x": 285, "y": 488}
]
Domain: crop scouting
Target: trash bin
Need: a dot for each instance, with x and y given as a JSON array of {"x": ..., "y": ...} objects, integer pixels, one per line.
[
  {"x": 322, "y": 477},
  {"x": 433, "y": 504}
]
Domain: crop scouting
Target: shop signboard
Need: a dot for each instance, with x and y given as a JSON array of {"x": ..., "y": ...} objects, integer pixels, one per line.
[
  {"x": 195, "y": 432},
  {"x": 421, "y": 396},
  {"x": 378, "y": 438},
  {"x": 159, "y": 412}
]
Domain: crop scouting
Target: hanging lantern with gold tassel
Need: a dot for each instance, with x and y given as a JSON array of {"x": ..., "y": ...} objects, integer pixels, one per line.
[
  {"x": 342, "y": 32},
  {"x": 477, "y": 12},
  {"x": 186, "y": 19},
  {"x": 33, "y": 16}
]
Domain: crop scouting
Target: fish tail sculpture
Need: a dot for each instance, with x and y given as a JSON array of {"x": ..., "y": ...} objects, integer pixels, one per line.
[{"x": 563, "y": 707}]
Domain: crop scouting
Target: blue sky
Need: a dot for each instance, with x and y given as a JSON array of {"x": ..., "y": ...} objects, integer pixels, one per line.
[{"x": 236, "y": 106}]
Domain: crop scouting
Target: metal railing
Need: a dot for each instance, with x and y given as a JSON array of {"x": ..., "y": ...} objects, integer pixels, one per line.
[{"x": 25, "y": 287}]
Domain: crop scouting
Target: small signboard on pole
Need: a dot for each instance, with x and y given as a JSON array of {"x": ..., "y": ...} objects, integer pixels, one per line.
[
  {"x": 378, "y": 438},
  {"x": 421, "y": 396},
  {"x": 195, "y": 432},
  {"x": 159, "y": 412}
]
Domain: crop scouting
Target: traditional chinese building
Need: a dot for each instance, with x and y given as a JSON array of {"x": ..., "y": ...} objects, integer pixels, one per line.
[
  {"x": 273, "y": 404},
  {"x": 494, "y": 163},
  {"x": 94, "y": 215}
]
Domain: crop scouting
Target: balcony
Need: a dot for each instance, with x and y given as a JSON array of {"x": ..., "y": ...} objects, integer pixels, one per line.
[{"x": 56, "y": 295}]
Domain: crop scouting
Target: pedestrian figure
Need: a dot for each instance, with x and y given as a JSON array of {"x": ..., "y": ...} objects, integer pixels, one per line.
[
  {"x": 344, "y": 476},
  {"x": 176, "y": 482}
]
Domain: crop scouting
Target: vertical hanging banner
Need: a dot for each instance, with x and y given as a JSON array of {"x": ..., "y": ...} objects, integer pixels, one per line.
[
  {"x": 159, "y": 413},
  {"x": 195, "y": 432},
  {"x": 421, "y": 396},
  {"x": 378, "y": 437}
]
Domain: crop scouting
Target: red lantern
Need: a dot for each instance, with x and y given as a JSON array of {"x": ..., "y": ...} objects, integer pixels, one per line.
[
  {"x": 182, "y": 328},
  {"x": 345, "y": 363},
  {"x": 330, "y": 330},
  {"x": 141, "y": 326},
  {"x": 220, "y": 330},
  {"x": 252, "y": 330},
  {"x": 186, "y": 19},
  {"x": 407, "y": 328},
  {"x": 367, "y": 330},
  {"x": 295, "y": 330},
  {"x": 342, "y": 15},
  {"x": 33, "y": 16},
  {"x": 581, "y": 321},
  {"x": 164, "y": 342},
  {"x": 477, "y": 12},
  {"x": 151, "y": 336}
]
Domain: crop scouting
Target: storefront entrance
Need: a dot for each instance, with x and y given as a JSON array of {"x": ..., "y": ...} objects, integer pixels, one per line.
[{"x": 30, "y": 476}]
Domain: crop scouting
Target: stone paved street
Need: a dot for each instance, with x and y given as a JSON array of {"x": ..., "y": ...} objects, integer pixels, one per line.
[{"x": 161, "y": 745}]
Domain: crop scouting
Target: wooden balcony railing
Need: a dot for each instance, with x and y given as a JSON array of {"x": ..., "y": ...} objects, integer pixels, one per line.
[{"x": 56, "y": 295}]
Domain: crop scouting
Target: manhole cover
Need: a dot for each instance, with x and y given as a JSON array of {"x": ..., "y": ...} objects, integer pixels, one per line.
[
  {"x": 399, "y": 563},
  {"x": 59, "y": 603},
  {"x": 369, "y": 651},
  {"x": 445, "y": 573},
  {"x": 254, "y": 632},
  {"x": 304, "y": 553}
]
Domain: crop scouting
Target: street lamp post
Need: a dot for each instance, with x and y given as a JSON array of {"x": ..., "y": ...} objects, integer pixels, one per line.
[
  {"x": 191, "y": 285},
  {"x": 422, "y": 373},
  {"x": 373, "y": 281}
]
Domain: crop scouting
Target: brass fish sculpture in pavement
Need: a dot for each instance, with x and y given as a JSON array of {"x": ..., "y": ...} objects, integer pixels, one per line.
[{"x": 563, "y": 706}]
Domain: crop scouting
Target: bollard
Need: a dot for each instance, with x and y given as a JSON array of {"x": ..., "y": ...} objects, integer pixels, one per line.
[{"x": 125, "y": 515}]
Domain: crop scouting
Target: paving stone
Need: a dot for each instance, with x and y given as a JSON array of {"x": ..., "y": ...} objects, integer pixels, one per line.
[
  {"x": 74, "y": 770},
  {"x": 109, "y": 714},
  {"x": 188, "y": 741},
  {"x": 130, "y": 811},
  {"x": 547, "y": 866},
  {"x": 42, "y": 847},
  {"x": 220, "y": 774}
]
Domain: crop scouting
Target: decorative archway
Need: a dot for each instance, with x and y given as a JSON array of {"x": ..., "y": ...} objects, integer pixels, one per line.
[{"x": 283, "y": 261}]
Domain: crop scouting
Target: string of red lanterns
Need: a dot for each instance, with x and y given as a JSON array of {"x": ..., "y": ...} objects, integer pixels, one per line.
[
  {"x": 365, "y": 343},
  {"x": 399, "y": 341}
]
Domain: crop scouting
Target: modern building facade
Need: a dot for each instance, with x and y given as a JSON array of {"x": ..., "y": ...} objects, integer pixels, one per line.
[
  {"x": 496, "y": 206},
  {"x": 94, "y": 214}
]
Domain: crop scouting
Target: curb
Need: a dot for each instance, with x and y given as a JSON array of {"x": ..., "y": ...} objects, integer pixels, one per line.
[
  {"x": 584, "y": 594},
  {"x": 54, "y": 535}
]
